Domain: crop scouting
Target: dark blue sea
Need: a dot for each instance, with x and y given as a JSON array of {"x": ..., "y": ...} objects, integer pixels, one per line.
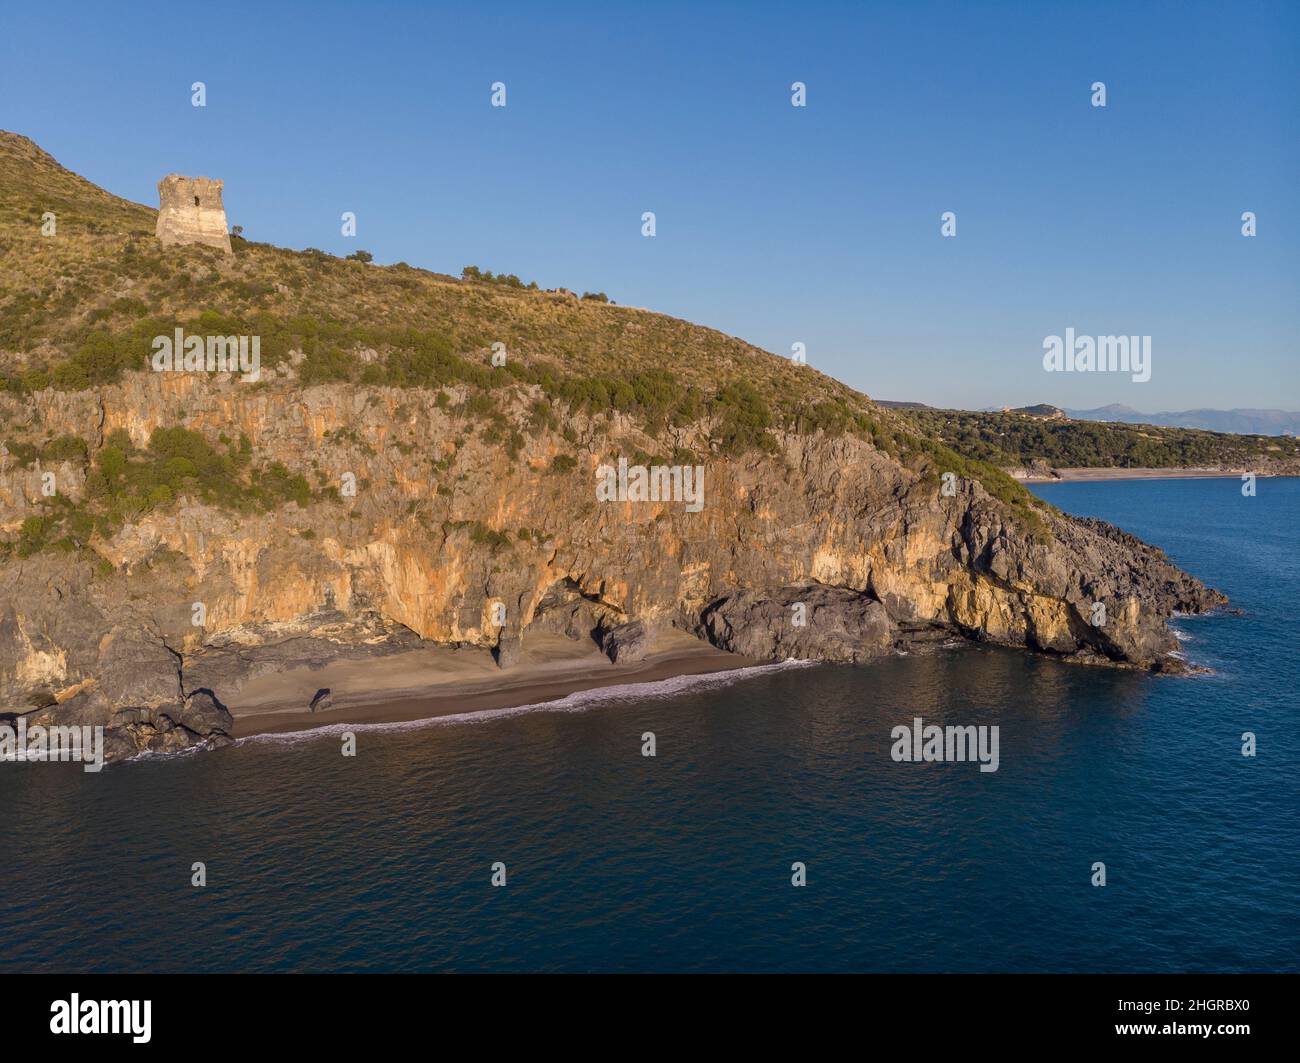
[{"x": 682, "y": 862}]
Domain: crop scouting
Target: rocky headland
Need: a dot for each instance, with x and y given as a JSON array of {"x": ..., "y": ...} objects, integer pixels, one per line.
[{"x": 377, "y": 491}]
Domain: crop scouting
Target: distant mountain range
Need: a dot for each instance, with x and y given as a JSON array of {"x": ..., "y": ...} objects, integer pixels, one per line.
[{"x": 1237, "y": 421}]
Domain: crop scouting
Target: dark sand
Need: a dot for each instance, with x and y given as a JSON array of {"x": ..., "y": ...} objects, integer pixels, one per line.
[{"x": 441, "y": 681}]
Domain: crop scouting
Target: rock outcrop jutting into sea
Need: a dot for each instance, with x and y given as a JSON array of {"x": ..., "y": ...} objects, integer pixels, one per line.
[{"x": 427, "y": 470}]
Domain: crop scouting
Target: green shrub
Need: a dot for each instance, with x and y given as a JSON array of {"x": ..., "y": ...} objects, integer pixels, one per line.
[
  {"x": 744, "y": 417},
  {"x": 23, "y": 453},
  {"x": 65, "y": 448},
  {"x": 33, "y": 535}
]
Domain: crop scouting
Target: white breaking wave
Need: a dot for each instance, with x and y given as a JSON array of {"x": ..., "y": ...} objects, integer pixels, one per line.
[
  {"x": 168, "y": 754},
  {"x": 578, "y": 701}
]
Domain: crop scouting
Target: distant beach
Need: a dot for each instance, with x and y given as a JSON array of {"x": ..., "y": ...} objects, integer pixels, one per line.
[{"x": 1061, "y": 475}]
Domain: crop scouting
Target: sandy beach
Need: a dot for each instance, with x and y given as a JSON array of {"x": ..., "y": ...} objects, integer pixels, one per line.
[
  {"x": 441, "y": 680},
  {"x": 1062, "y": 475}
]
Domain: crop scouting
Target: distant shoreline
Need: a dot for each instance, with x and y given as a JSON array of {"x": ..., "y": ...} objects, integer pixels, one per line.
[{"x": 1097, "y": 475}]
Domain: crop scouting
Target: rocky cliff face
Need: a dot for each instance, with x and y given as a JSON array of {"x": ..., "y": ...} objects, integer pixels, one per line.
[
  {"x": 827, "y": 549},
  {"x": 396, "y": 476}
]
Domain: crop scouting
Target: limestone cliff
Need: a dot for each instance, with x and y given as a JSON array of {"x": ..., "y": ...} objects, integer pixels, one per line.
[{"x": 776, "y": 529}]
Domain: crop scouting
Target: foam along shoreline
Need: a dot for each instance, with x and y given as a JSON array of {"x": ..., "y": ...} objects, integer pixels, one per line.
[
  {"x": 441, "y": 681},
  {"x": 1098, "y": 475},
  {"x": 577, "y": 701}
]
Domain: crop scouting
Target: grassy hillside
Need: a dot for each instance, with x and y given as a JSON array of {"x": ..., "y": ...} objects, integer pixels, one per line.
[
  {"x": 74, "y": 310},
  {"x": 79, "y": 309}
]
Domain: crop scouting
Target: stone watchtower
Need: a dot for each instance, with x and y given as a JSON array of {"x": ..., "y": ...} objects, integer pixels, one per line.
[{"x": 190, "y": 212}]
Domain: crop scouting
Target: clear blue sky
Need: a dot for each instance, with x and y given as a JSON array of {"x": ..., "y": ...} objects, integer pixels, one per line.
[{"x": 775, "y": 224}]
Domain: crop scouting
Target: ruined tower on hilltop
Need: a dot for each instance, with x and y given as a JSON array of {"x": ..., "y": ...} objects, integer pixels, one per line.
[{"x": 190, "y": 212}]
